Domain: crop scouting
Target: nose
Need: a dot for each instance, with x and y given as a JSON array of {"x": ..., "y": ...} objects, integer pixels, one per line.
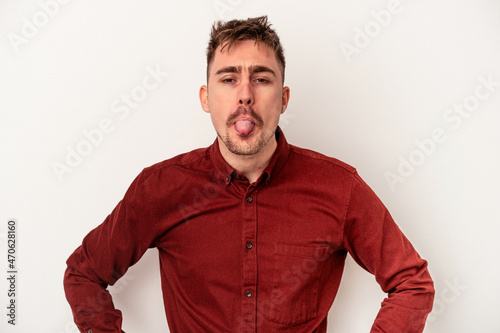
[{"x": 246, "y": 95}]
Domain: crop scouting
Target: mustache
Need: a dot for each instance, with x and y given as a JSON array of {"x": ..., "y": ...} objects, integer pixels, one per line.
[{"x": 241, "y": 110}]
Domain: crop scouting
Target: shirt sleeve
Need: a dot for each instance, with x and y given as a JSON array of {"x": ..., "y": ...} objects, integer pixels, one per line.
[
  {"x": 377, "y": 244},
  {"x": 105, "y": 255}
]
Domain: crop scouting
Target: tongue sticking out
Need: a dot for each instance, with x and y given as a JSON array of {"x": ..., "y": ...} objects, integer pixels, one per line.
[{"x": 244, "y": 127}]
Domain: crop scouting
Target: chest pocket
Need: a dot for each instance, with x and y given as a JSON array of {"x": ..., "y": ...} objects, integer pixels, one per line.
[{"x": 297, "y": 271}]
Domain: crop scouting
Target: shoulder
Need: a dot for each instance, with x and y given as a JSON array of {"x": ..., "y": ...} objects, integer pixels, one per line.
[
  {"x": 188, "y": 160},
  {"x": 315, "y": 160},
  {"x": 330, "y": 171}
]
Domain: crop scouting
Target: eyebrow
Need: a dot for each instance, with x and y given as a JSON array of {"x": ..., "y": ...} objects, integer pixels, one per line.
[{"x": 252, "y": 69}]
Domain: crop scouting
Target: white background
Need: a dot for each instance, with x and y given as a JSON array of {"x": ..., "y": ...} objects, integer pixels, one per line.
[{"x": 367, "y": 109}]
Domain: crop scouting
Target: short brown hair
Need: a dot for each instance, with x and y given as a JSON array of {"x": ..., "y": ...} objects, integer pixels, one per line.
[{"x": 226, "y": 34}]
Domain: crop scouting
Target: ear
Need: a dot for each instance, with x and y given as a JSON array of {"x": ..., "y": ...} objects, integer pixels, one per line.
[
  {"x": 204, "y": 98},
  {"x": 285, "y": 97}
]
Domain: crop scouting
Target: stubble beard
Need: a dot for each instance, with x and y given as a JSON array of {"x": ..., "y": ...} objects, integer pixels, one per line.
[{"x": 246, "y": 147}]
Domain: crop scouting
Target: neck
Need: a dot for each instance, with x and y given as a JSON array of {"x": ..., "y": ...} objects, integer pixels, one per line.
[{"x": 251, "y": 166}]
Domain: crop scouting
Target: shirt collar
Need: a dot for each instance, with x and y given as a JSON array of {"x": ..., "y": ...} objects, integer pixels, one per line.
[{"x": 226, "y": 172}]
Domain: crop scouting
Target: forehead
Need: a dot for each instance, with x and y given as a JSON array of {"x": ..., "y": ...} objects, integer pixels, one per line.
[{"x": 246, "y": 54}]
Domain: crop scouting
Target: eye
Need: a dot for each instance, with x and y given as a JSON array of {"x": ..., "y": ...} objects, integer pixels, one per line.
[
  {"x": 227, "y": 80},
  {"x": 261, "y": 80}
]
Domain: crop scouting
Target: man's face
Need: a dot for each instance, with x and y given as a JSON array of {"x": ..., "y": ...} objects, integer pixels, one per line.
[{"x": 245, "y": 97}]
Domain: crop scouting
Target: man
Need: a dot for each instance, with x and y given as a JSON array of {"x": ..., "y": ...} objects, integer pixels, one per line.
[{"x": 252, "y": 232}]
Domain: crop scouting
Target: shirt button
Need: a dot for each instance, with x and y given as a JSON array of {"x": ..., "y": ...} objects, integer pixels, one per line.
[
  {"x": 249, "y": 199},
  {"x": 249, "y": 245},
  {"x": 248, "y": 293}
]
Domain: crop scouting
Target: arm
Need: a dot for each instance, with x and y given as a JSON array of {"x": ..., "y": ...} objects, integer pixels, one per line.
[
  {"x": 378, "y": 245},
  {"x": 104, "y": 256}
]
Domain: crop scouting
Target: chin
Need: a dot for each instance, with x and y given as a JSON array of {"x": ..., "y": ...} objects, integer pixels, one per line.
[{"x": 247, "y": 145}]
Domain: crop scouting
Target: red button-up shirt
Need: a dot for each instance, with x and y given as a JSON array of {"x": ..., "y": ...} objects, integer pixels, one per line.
[{"x": 241, "y": 257}]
